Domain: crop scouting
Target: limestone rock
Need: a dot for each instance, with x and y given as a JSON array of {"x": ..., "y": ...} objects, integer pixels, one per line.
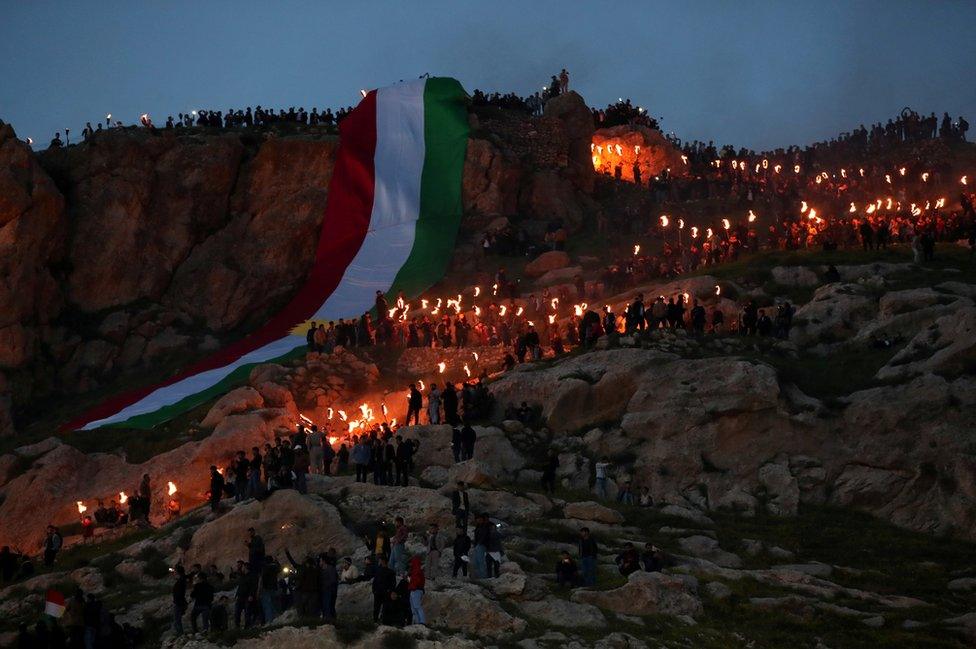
[
  {"x": 591, "y": 511},
  {"x": 708, "y": 548},
  {"x": 234, "y": 402},
  {"x": 647, "y": 593},
  {"x": 286, "y": 520},
  {"x": 465, "y": 608},
  {"x": 547, "y": 261},
  {"x": 561, "y": 613}
]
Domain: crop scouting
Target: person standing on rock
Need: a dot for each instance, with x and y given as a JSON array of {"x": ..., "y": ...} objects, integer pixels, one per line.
[
  {"x": 52, "y": 545},
  {"x": 563, "y": 82},
  {"x": 310, "y": 337},
  {"x": 549, "y": 472},
  {"x": 254, "y": 487},
  {"x": 244, "y": 597},
  {"x": 456, "y": 443},
  {"x": 301, "y": 469},
  {"x": 432, "y": 563},
  {"x": 482, "y": 539},
  {"x": 330, "y": 585},
  {"x": 361, "y": 457},
  {"x": 179, "y": 599},
  {"x": 468, "y": 438},
  {"x": 398, "y": 553},
  {"x": 460, "y": 506},
  {"x": 414, "y": 404},
  {"x": 268, "y": 588},
  {"x": 588, "y": 556},
  {"x": 450, "y": 400},
  {"x": 384, "y": 581},
  {"x": 600, "y": 487},
  {"x": 145, "y": 493},
  {"x": 202, "y": 596},
  {"x": 434, "y": 405},
  {"x": 255, "y": 548},
  {"x": 416, "y": 585},
  {"x": 216, "y": 488},
  {"x": 460, "y": 549},
  {"x": 328, "y": 454},
  {"x": 241, "y": 468},
  {"x": 315, "y": 455}
]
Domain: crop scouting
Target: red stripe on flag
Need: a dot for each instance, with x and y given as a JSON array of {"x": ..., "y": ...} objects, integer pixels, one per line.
[{"x": 344, "y": 226}]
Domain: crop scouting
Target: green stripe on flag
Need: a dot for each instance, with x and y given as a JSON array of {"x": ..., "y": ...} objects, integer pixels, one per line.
[
  {"x": 446, "y": 143},
  {"x": 236, "y": 377}
]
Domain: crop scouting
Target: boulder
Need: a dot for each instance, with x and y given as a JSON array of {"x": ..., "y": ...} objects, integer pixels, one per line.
[
  {"x": 557, "y": 612},
  {"x": 591, "y": 511},
  {"x": 647, "y": 593},
  {"x": 286, "y": 520},
  {"x": 571, "y": 111},
  {"x": 947, "y": 348},
  {"x": 547, "y": 261},
  {"x": 781, "y": 488},
  {"x": 465, "y": 608},
  {"x": 794, "y": 276},
  {"x": 236, "y": 401},
  {"x": 707, "y": 548}
]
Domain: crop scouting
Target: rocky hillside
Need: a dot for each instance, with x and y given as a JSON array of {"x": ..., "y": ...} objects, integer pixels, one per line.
[{"x": 128, "y": 255}]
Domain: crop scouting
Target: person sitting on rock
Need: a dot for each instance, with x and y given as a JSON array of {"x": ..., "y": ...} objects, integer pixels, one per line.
[
  {"x": 628, "y": 561},
  {"x": 651, "y": 559},
  {"x": 567, "y": 574},
  {"x": 349, "y": 573}
]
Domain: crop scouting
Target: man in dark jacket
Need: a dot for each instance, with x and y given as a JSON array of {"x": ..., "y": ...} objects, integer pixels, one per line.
[
  {"x": 450, "y": 401},
  {"x": 566, "y": 572},
  {"x": 461, "y": 547},
  {"x": 384, "y": 582},
  {"x": 414, "y": 404},
  {"x": 244, "y": 597},
  {"x": 330, "y": 585},
  {"x": 202, "y": 596},
  {"x": 179, "y": 599},
  {"x": 468, "y": 437},
  {"x": 588, "y": 556}
]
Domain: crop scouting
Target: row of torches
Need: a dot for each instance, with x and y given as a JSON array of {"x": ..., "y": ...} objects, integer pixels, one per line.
[{"x": 123, "y": 497}]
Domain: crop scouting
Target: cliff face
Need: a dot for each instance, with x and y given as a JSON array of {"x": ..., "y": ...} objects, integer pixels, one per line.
[{"x": 138, "y": 251}]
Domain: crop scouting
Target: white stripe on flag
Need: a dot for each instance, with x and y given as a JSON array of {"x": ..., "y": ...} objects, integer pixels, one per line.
[
  {"x": 398, "y": 166},
  {"x": 170, "y": 394}
]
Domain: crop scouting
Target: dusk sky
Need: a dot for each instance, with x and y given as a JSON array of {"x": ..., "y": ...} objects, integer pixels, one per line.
[{"x": 755, "y": 74}]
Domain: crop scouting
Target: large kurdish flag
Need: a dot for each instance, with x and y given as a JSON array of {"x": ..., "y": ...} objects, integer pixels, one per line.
[{"x": 390, "y": 223}]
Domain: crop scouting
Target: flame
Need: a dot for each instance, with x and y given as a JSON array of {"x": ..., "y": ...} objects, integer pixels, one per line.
[
  {"x": 502, "y": 309},
  {"x": 818, "y": 180},
  {"x": 477, "y": 310},
  {"x": 796, "y": 169},
  {"x": 552, "y": 318},
  {"x": 441, "y": 367},
  {"x": 439, "y": 302},
  {"x": 681, "y": 224},
  {"x": 393, "y": 422},
  {"x": 637, "y": 149},
  {"x": 400, "y": 303},
  {"x": 940, "y": 203},
  {"x": 726, "y": 224},
  {"x": 636, "y": 250},
  {"x": 342, "y": 415},
  {"x": 494, "y": 289},
  {"x": 618, "y": 149},
  {"x": 530, "y": 323},
  {"x": 718, "y": 290},
  {"x": 664, "y": 220},
  {"x": 752, "y": 217},
  {"x": 367, "y": 413},
  {"x": 170, "y": 488},
  {"x": 916, "y": 212},
  {"x": 777, "y": 168},
  {"x": 81, "y": 508},
  {"x": 902, "y": 171},
  {"x": 477, "y": 291},
  {"x": 757, "y": 168},
  {"x": 852, "y": 208},
  {"x": 861, "y": 171},
  {"x": 423, "y": 304},
  {"x": 475, "y": 354},
  {"x": 708, "y": 233},
  {"x": 420, "y": 385},
  {"x": 888, "y": 205},
  {"x": 383, "y": 408},
  {"x": 694, "y": 232},
  {"x": 467, "y": 372},
  {"x": 964, "y": 180},
  {"x": 686, "y": 296},
  {"x": 765, "y": 163},
  {"x": 812, "y": 215},
  {"x": 843, "y": 173},
  {"x": 122, "y": 498},
  {"x": 519, "y": 312},
  {"x": 391, "y": 313},
  {"x": 333, "y": 440},
  {"x": 331, "y": 412},
  {"x": 353, "y": 425},
  {"x": 888, "y": 178},
  {"x": 925, "y": 177},
  {"x": 871, "y": 208},
  {"x": 684, "y": 159},
  {"x": 554, "y": 302},
  {"x": 803, "y": 207}
]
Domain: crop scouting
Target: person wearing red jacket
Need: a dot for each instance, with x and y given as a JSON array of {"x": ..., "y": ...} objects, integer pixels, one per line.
[{"x": 416, "y": 584}]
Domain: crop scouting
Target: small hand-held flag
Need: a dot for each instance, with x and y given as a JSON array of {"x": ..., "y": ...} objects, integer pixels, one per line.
[{"x": 54, "y": 604}]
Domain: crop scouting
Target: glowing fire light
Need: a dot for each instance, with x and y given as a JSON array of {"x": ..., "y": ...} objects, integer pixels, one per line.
[
  {"x": 477, "y": 310},
  {"x": 681, "y": 224},
  {"x": 752, "y": 217},
  {"x": 888, "y": 178},
  {"x": 502, "y": 309},
  {"x": 718, "y": 290},
  {"x": 925, "y": 177},
  {"x": 902, "y": 171},
  {"x": 170, "y": 488},
  {"x": 333, "y": 440},
  {"x": 636, "y": 250},
  {"x": 726, "y": 224},
  {"x": 342, "y": 415},
  {"x": 765, "y": 163},
  {"x": 963, "y": 180},
  {"x": 777, "y": 168},
  {"x": 363, "y": 93},
  {"x": 871, "y": 208},
  {"x": 519, "y": 312},
  {"x": 367, "y": 413},
  {"x": 441, "y": 367},
  {"x": 420, "y": 385},
  {"x": 708, "y": 233},
  {"x": 467, "y": 372},
  {"x": 81, "y": 508},
  {"x": 803, "y": 207},
  {"x": 123, "y": 498},
  {"x": 664, "y": 220},
  {"x": 494, "y": 289},
  {"x": 331, "y": 412},
  {"x": 694, "y": 232},
  {"x": 475, "y": 354},
  {"x": 552, "y": 318},
  {"x": 796, "y": 169},
  {"x": 477, "y": 291},
  {"x": 684, "y": 159},
  {"x": 852, "y": 208}
]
